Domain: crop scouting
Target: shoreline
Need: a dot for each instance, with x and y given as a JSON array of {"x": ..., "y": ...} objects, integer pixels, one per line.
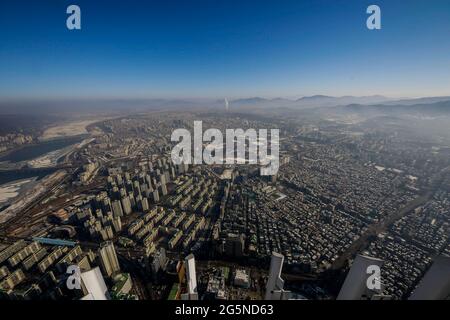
[
  {"x": 38, "y": 189},
  {"x": 13, "y": 189}
]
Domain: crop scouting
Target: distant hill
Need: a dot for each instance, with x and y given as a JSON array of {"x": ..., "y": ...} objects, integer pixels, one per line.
[
  {"x": 306, "y": 102},
  {"x": 326, "y": 101},
  {"x": 76, "y": 106},
  {"x": 441, "y": 107},
  {"x": 426, "y": 100}
]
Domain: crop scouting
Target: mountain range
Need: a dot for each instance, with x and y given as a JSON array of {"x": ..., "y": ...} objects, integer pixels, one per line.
[
  {"x": 423, "y": 107},
  {"x": 329, "y": 101},
  {"x": 64, "y": 106}
]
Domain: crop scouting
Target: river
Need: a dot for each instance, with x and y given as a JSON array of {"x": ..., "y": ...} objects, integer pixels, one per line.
[{"x": 36, "y": 150}]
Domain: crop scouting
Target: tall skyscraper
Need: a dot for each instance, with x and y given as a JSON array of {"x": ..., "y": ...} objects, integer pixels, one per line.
[
  {"x": 274, "y": 287},
  {"x": 191, "y": 279},
  {"x": 435, "y": 285},
  {"x": 126, "y": 205},
  {"x": 355, "y": 284},
  {"x": 117, "y": 208},
  {"x": 145, "y": 205},
  {"x": 163, "y": 189},
  {"x": 136, "y": 188},
  {"x": 93, "y": 285},
  {"x": 155, "y": 196},
  {"x": 167, "y": 175},
  {"x": 108, "y": 258},
  {"x": 162, "y": 179}
]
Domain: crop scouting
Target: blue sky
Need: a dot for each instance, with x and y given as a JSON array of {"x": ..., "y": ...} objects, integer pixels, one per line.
[{"x": 230, "y": 48}]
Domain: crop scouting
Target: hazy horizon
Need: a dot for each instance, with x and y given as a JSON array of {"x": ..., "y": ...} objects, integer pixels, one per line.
[{"x": 181, "y": 50}]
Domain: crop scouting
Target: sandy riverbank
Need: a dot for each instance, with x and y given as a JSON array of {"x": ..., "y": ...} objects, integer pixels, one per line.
[
  {"x": 11, "y": 190},
  {"x": 68, "y": 129}
]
